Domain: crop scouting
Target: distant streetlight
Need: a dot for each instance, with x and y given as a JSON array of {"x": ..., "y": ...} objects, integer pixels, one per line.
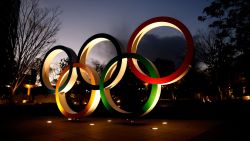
[
  {"x": 118, "y": 101},
  {"x": 29, "y": 87},
  {"x": 246, "y": 97}
]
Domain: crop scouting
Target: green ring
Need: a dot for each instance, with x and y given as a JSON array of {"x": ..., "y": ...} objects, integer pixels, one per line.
[{"x": 152, "y": 72}]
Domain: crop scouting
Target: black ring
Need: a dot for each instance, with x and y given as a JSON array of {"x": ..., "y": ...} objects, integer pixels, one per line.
[
  {"x": 115, "y": 42},
  {"x": 72, "y": 59}
]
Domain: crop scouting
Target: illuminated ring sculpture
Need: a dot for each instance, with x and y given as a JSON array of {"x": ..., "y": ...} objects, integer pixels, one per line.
[
  {"x": 105, "y": 91},
  {"x": 85, "y": 49},
  {"x": 142, "y": 30},
  {"x": 61, "y": 94},
  {"x": 50, "y": 55},
  {"x": 114, "y": 70}
]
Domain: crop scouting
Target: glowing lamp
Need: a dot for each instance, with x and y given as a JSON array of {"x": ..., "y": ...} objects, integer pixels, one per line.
[{"x": 29, "y": 87}]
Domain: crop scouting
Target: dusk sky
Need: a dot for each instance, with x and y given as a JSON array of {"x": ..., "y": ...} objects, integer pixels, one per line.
[{"x": 81, "y": 18}]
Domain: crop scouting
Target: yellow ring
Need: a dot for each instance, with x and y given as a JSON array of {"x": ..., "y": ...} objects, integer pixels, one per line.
[{"x": 60, "y": 95}]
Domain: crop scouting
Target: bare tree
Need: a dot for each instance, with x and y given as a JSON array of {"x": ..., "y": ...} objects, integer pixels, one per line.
[
  {"x": 35, "y": 34},
  {"x": 217, "y": 56},
  {"x": 207, "y": 51}
]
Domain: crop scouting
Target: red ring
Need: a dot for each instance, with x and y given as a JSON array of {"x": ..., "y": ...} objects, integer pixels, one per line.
[{"x": 183, "y": 67}]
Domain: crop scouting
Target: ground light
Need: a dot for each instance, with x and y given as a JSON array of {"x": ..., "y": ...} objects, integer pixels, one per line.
[
  {"x": 49, "y": 121},
  {"x": 154, "y": 128},
  {"x": 164, "y": 123},
  {"x": 91, "y": 124}
]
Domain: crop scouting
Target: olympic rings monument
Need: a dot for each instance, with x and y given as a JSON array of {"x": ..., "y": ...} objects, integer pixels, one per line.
[{"x": 114, "y": 70}]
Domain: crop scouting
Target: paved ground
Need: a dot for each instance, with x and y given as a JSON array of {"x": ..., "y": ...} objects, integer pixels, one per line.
[
  {"x": 228, "y": 122},
  {"x": 116, "y": 129}
]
